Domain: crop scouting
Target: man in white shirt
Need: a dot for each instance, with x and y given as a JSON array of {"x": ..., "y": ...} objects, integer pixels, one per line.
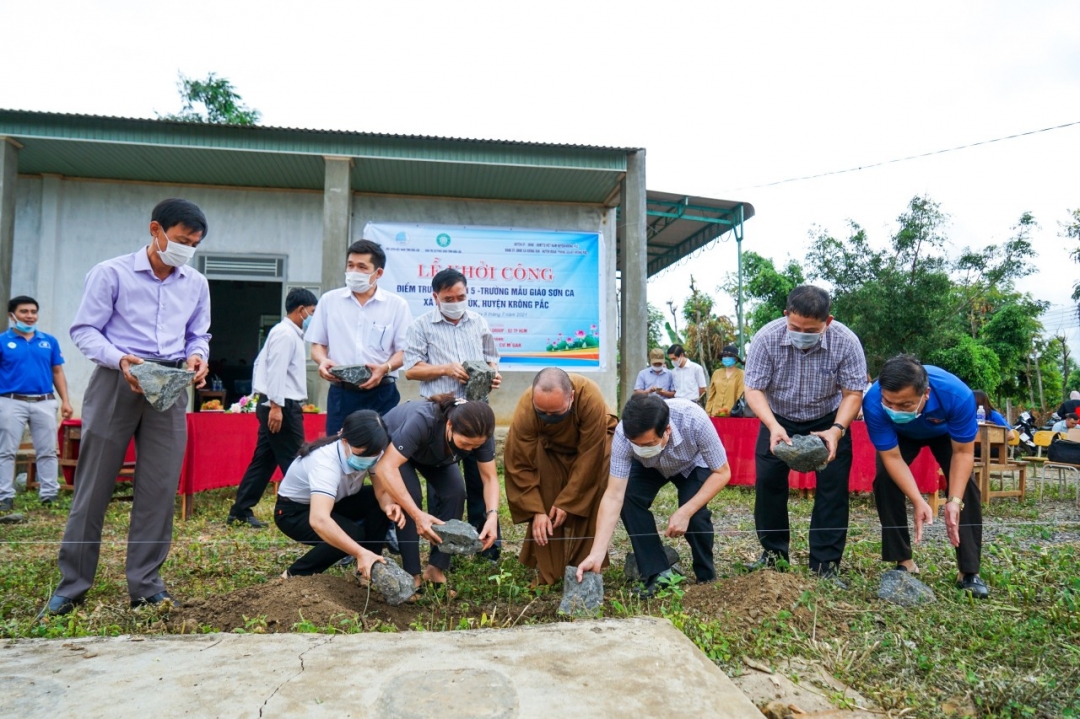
[
  {"x": 689, "y": 376},
  {"x": 280, "y": 384},
  {"x": 360, "y": 324}
]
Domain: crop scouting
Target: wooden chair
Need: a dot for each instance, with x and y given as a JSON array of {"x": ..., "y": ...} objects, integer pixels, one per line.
[
  {"x": 993, "y": 458},
  {"x": 70, "y": 436},
  {"x": 26, "y": 457},
  {"x": 1042, "y": 440}
]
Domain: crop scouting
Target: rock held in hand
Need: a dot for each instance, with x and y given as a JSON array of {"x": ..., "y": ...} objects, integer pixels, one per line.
[
  {"x": 584, "y": 598},
  {"x": 394, "y": 583},
  {"x": 161, "y": 385},
  {"x": 481, "y": 377},
  {"x": 806, "y": 453},
  {"x": 632, "y": 572},
  {"x": 458, "y": 537},
  {"x": 900, "y": 587},
  {"x": 354, "y": 374}
]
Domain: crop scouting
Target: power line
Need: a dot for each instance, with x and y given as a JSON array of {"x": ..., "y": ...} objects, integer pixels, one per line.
[{"x": 905, "y": 159}]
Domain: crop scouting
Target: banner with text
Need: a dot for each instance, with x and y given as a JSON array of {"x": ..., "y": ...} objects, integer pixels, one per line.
[{"x": 541, "y": 291}]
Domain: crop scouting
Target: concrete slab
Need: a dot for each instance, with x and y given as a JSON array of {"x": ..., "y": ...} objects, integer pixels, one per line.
[{"x": 630, "y": 667}]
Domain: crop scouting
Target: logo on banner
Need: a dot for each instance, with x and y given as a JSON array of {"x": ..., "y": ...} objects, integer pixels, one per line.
[
  {"x": 443, "y": 240},
  {"x": 402, "y": 237}
]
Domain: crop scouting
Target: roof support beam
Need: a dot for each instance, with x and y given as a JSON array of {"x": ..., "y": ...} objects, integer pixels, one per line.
[
  {"x": 9, "y": 171},
  {"x": 633, "y": 260}
]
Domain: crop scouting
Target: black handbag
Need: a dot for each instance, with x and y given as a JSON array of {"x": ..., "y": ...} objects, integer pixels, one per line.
[
  {"x": 742, "y": 409},
  {"x": 1063, "y": 451}
]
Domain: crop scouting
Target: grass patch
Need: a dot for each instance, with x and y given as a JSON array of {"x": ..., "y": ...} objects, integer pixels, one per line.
[{"x": 1017, "y": 655}]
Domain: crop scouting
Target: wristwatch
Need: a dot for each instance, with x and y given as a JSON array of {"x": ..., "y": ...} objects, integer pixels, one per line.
[
  {"x": 842, "y": 428},
  {"x": 958, "y": 502}
]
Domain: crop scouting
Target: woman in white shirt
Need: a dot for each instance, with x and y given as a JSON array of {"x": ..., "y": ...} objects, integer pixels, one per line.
[{"x": 324, "y": 502}]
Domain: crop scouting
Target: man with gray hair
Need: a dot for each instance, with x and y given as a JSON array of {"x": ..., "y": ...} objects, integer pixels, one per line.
[{"x": 556, "y": 467}]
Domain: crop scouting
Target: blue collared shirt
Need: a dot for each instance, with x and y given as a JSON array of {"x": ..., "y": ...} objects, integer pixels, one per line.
[
  {"x": 647, "y": 379},
  {"x": 950, "y": 410},
  {"x": 26, "y": 365}
]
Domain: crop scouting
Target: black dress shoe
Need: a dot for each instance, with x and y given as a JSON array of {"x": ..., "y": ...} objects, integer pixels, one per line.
[
  {"x": 768, "y": 560},
  {"x": 159, "y": 598},
  {"x": 251, "y": 520},
  {"x": 831, "y": 573},
  {"x": 656, "y": 583},
  {"x": 974, "y": 585},
  {"x": 59, "y": 606}
]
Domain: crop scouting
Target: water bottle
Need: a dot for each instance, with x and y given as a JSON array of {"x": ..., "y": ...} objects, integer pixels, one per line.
[{"x": 980, "y": 414}]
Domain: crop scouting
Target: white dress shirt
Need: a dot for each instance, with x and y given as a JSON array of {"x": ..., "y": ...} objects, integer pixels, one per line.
[
  {"x": 689, "y": 380},
  {"x": 356, "y": 334},
  {"x": 280, "y": 369},
  {"x": 325, "y": 471}
]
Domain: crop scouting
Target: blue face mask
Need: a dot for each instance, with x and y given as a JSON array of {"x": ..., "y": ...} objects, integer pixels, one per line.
[
  {"x": 21, "y": 326},
  {"x": 901, "y": 417},
  {"x": 728, "y": 361},
  {"x": 361, "y": 464},
  {"x": 306, "y": 322}
]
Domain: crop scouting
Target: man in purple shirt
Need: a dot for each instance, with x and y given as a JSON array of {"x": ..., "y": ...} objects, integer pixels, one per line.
[{"x": 142, "y": 307}]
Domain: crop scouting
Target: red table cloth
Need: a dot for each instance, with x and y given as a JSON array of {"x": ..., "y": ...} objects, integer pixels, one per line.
[
  {"x": 69, "y": 470},
  {"x": 739, "y": 436},
  {"x": 220, "y": 445}
]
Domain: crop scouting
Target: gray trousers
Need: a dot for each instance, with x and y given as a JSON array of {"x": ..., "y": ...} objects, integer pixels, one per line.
[
  {"x": 14, "y": 414},
  {"x": 112, "y": 415}
]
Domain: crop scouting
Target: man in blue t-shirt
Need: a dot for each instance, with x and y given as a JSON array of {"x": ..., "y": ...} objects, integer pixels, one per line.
[
  {"x": 909, "y": 407},
  {"x": 30, "y": 366}
]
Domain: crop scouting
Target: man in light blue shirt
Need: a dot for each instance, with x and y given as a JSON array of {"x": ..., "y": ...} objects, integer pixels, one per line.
[{"x": 656, "y": 378}]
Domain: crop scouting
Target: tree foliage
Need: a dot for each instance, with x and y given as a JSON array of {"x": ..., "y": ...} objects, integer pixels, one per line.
[
  {"x": 765, "y": 288},
  {"x": 706, "y": 333},
  {"x": 213, "y": 100},
  {"x": 1071, "y": 230}
]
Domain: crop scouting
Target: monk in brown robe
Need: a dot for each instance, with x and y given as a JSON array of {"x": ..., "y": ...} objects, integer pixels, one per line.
[{"x": 556, "y": 461}]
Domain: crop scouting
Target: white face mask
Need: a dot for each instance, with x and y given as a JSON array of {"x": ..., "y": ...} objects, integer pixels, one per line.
[
  {"x": 175, "y": 254},
  {"x": 453, "y": 310},
  {"x": 646, "y": 452},
  {"x": 358, "y": 281}
]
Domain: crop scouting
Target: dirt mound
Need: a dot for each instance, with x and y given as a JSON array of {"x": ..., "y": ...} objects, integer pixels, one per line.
[
  {"x": 750, "y": 597},
  {"x": 276, "y": 606}
]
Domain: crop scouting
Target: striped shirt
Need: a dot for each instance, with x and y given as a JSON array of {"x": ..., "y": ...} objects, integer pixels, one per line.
[
  {"x": 434, "y": 340},
  {"x": 693, "y": 443},
  {"x": 805, "y": 385}
]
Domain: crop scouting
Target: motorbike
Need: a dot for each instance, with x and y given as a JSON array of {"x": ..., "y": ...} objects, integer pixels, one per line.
[{"x": 1026, "y": 429}]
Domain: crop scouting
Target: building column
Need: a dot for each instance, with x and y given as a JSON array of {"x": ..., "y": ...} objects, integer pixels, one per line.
[
  {"x": 9, "y": 171},
  {"x": 48, "y": 251},
  {"x": 633, "y": 262},
  {"x": 337, "y": 213}
]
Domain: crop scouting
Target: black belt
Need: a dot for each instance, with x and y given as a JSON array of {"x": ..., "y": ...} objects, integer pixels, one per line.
[
  {"x": 175, "y": 364},
  {"x": 29, "y": 397},
  {"x": 260, "y": 398}
]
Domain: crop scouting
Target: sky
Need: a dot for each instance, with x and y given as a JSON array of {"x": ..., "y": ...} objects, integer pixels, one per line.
[{"x": 725, "y": 97}]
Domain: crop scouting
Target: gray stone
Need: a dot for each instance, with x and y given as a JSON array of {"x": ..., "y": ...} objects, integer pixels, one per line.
[
  {"x": 394, "y": 583},
  {"x": 458, "y": 537},
  {"x": 13, "y": 518},
  {"x": 806, "y": 453},
  {"x": 633, "y": 573},
  {"x": 584, "y": 598},
  {"x": 481, "y": 377},
  {"x": 900, "y": 587},
  {"x": 161, "y": 386},
  {"x": 354, "y": 374}
]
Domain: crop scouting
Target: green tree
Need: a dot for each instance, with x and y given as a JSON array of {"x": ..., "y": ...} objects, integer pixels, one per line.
[
  {"x": 219, "y": 101},
  {"x": 765, "y": 289},
  {"x": 1071, "y": 230},
  {"x": 656, "y": 327},
  {"x": 706, "y": 333}
]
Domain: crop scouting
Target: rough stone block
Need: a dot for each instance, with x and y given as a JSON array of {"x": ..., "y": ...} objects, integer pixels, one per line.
[
  {"x": 394, "y": 583},
  {"x": 458, "y": 537},
  {"x": 900, "y": 587},
  {"x": 584, "y": 599},
  {"x": 481, "y": 377},
  {"x": 354, "y": 374},
  {"x": 161, "y": 386},
  {"x": 13, "y": 518},
  {"x": 806, "y": 453},
  {"x": 633, "y": 573}
]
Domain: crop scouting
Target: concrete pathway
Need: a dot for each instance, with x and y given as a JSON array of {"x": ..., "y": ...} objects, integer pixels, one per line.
[{"x": 631, "y": 667}]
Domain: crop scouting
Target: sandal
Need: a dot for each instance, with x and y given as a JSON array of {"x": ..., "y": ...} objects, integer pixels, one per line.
[{"x": 901, "y": 568}]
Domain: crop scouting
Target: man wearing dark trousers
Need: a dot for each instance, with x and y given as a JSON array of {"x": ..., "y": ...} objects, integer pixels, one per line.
[
  {"x": 805, "y": 374},
  {"x": 142, "y": 307},
  {"x": 912, "y": 406},
  {"x": 280, "y": 383},
  {"x": 658, "y": 442},
  {"x": 360, "y": 324}
]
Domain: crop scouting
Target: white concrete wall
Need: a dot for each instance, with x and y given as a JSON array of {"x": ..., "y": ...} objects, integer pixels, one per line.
[
  {"x": 590, "y": 218},
  {"x": 65, "y": 227}
]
